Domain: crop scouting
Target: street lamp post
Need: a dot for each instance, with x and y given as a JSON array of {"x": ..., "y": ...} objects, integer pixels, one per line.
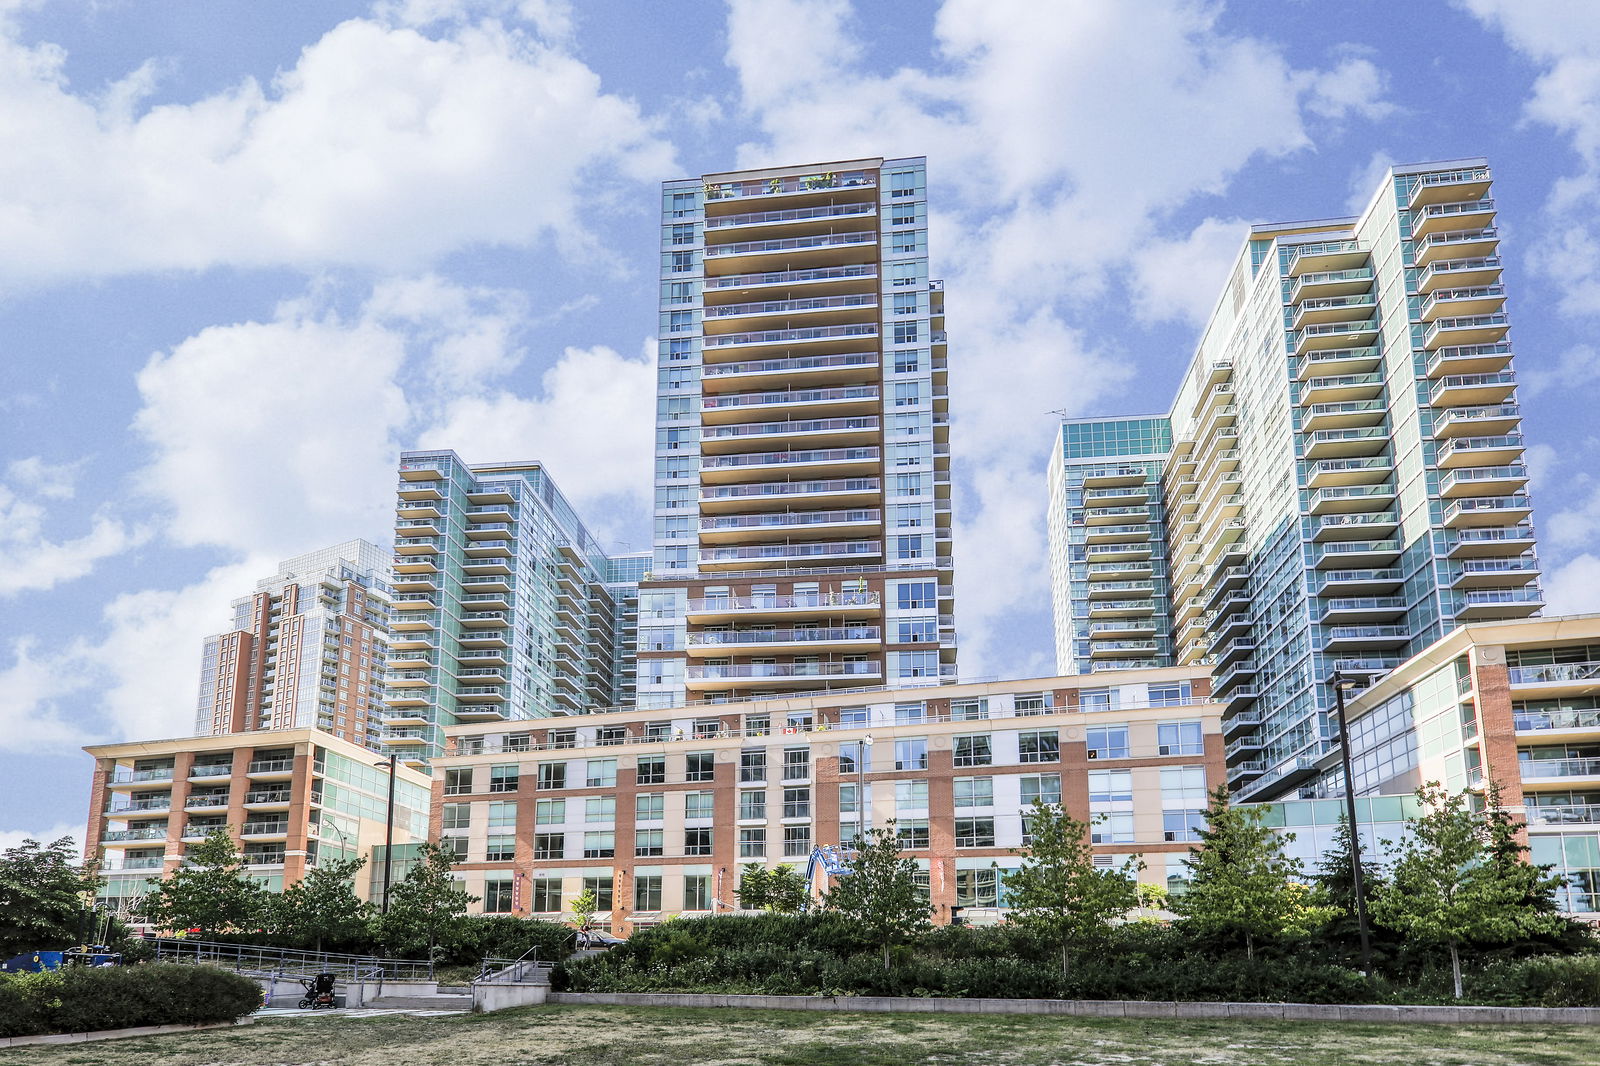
[
  {"x": 1340, "y": 683},
  {"x": 863, "y": 814},
  {"x": 388, "y": 837}
]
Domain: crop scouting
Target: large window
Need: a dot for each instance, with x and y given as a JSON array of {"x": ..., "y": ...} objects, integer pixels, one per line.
[
  {"x": 974, "y": 751},
  {"x": 455, "y": 816},
  {"x": 977, "y": 888},
  {"x": 503, "y": 778},
  {"x": 697, "y": 892},
  {"x": 647, "y": 892},
  {"x": 699, "y": 766},
  {"x": 599, "y": 845},
  {"x": 753, "y": 842},
  {"x": 797, "y": 803},
  {"x": 1107, "y": 742},
  {"x": 910, "y": 796},
  {"x": 697, "y": 841},
  {"x": 911, "y": 753},
  {"x": 753, "y": 803},
  {"x": 753, "y": 764},
  {"x": 698, "y": 804},
  {"x": 550, "y": 812},
  {"x": 547, "y": 895},
  {"x": 501, "y": 849},
  {"x": 649, "y": 841},
  {"x": 458, "y": 782},
  {"x": 497, "y": 897},
  {"x": 974, "y": 832},
  {"x": 796, "y": 764},
  {"x": 1044, "y": 746},
  {"x": 911, "y": 833},
  {"x": 974, "y": 792},
  {"x": 551, "y": 774},
  {"x": 502, "y": 815},
  {"x": 796, "y": 840},
  {"x": 549, "y": 845},
  {"x": 652, "y": 769},
  {"x": 1180, "y": 738},
  {"x": 602, "y": 773},
  {"x": 1045, "y": 788},
  {"x": 604, "y": 892},
  {"x": 600, "y": 809},
  {"x": 649, "y": 806}
]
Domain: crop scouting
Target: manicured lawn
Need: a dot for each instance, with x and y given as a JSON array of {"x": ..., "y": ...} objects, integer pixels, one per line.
[{"x": 607, "y": 1036}]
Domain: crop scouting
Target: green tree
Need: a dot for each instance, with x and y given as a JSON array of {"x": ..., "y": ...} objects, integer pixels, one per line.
[
  {"x": 1058, "y": 893},
  {"x": 425, "y": 908},
  {"x": 752, "y": 892},
  {"x": 787, "y": 891},
  {"x": 44, "y": 896},
  {"x": 322, "y": 906},
  {"x": 1459, "y": 880},
  {"x": 1335, "y": 876},
  {"x": 1242, "y": 886},
  {"x": 211, "y": 891},
  {"x": 583, "y": 906},
  {"x": 880, "y": 894}
]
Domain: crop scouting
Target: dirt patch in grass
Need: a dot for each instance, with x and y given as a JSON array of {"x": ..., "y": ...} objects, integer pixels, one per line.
[{"x": 638, "y": 1036}]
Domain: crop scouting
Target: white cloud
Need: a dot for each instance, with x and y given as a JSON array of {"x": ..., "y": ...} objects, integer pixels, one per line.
[
  {"x": 1180, "y": 279},
  {"x": 13, "y": 838},
  {"x": 1576, "y": 370},
  {"x": 1365, "y": 179},
  {"x": 36, "y": 562},
  {"x": 382, "y": 146},
  {"x": 33, "y": 694},
  {"x": 1573, "y": 587},
  {"x": 1355, "y": 87}
]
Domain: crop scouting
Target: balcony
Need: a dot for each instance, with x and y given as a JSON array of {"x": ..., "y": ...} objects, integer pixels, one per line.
[
  {"x": 1563, "y": 814},
  {"x": 822, "y": 213},
  {"x": 419, "y": 621},
  {"x": 1333, "y": 473},
  {"x": 409, "y": 678},
  {"x": 1365, "y": 638},
  {"x": 1466, "y": 331},
  {"x": 1335, "y": 335},
  {"x": 718, "y": 469},
  {"x": 1468, "y": 452},
  {"x": 818, "y": 604},
  {"x": 1488, "y": 511},
  {"x": 416, "y": 564},
  {"x": 785, "y": 494},
  {"x": 735, "y": 528},
  {"x": 811, "y": 553},
  {"x": 1555, "y": 679},
  {"x": 762, "y": 256},
  {"x": 1119, "y": 496},
  {"x": 1096, "y": 516},
  {"x": 1331, "y": 283},
  {"x": 1115, "y": 572},
  {"x": 140, "y": 777},
  {"x": 1539, "y": 769},
  {"x": 268, "y": 799},
  {"x": 1334, "y": 309},
  {"x": 265, "y": 829},
  {"x": 486, "y": 638},
  {"x": 1472, "y": 389},
  {"x": 420, "y": 491},
  {"x": 1558, "y": 723},
  {"x": 1459, "y": 273},
  {"x": 858, "y": 367},
  {"x": 813, "y": 279},
  {"x": 1357, "y": 554},
  {"x": 1114, "y": 477},
  {"x": 830, "y": 185},
  {"x": 1494, "y": 420},
  {"x": 1132, "y": 626},
  {"x": 1347, "y": 499},
  {"x": 1496, "y": 573},
  {"x": 1456, "y": 244},
  {"x": 1112, "y": 590},
  {"x": 1463, "y": 305},
  {"x": 482, "y": 712},
  {"x": 1509, "y": 603},
  {"x": 785, "y": 675},
  {"x": 495, "y": 513},
  {"x": 831, "y": 310},
  {"x": 1483, "y": 481},
  {"x": 1129, "y": 608},
  {"x": 1449, "y": 185},
  {"x": 1337, "y": 362},
  {"x": 1344, "y": 387},
  {"x": 795, "y": 641},
  {"x": 487, "y": 565},
  {"x": 840, "y": 431},
  {"x": 1121, "y": 649},
  {"x": 403, "y": 738},
  {"x": 1489, "y": 542},
  {"x": 201, "y": 771},
  {"x": 1118, "y": 534},
  {"x": 1323, "y": 256},
  {"x": 732, "y": 407},
  {"x": 1354, "y": 414},
  {"x": 201, "y": 801},
  {"x": 1365, "y": 441},
  {"x": 1464, "y": 214},
  {"x": 1347, "y": 609}
]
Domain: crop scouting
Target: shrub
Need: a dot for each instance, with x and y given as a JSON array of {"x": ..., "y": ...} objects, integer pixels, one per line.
[
  {"x": 505, "y": 937},
  {"x": 26, "y": 1000},
  {"x": 1542, "y": 981},
  {"x": 86, "y": 999}
]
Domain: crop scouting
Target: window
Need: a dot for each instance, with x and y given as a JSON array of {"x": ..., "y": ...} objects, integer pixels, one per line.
[
  {"x": 907, "y": 362},
  {"x": 603, "y": 889},
  {"x": 1094, "y": 699},
  {"x": 917, "y": 595},
  {"x": 501, "y": 849},
  {"x": 904, "y": 241},
  {"x": 1180, "y": 738},
  {"x": 974, "y": 751},
  {"x": 797, "y": 803},
  {"x": 550, "y": 812},
  {"x": 697, "y": 841},
  {"x": 974, "y": 832},
  {"x": 457, "y": 846},
  {"x": 905, "y": 303},
  {"x": 1109, "y": 789},
  {"x": 698, "y": 804},
  {"x": 753, "y": 804},
  {"x": 1182, "y": 825},
  {"x": 910, "y": 712},
  {"x": 600, "y": 809},
  {"x": 601, "y": 773},
  {"x": 455, "y": 816},
  {"x": 647, "y": 892},
  {"x": 652, "y": 769},
  {"x": 457, "y": 782},
  {"x": 903, "y": 183},
  {"x": 796, "y": 764},
  {"x": 1113, "y": 828},
  {"x": 551, "y": 774},
  {"x": 1043, "y": 746},
  {"x": 563, "y": 738},
  {"x": 917, "y": 663},
  {"x": 918, "y": 631},
  {"x": 503, "y": 778},
  {"x": 706, "y": 727},
  {"x": 1170, "y": 694},
  {"x": 977, "y": 888},
  {"x": 910, "y": 795},
  {"x": 1046, "y": 788},
  {"x": 974, "y": 792},
  {"x": 611, "y": 735},
  {"x": 796, "y": 840},
  {"x": 502, "y": 815},
  {"x": 599, "y": 845},
  {"x": 697, "y": 892},
  {"x": 649, "y": 806},
  {"x": 549, "y": 845},
  {"x": 854, "y": 757},
  {"x": 1107, "y": 742},
  {"x": 681, "y": 233},
  {"x": 912, "y": 833},
  {"x": 649, "y": 842},
  {"x": 497, "y": 897},
  {"x": 849, "y": 799},
  {"x": 753, "y": 843},
  {"x": 852, "y": 717},
  {"x": 547, "y": 895},
  {"x": 911, "y": 754},
  {"x": 699, "y": 766},
  {"x": 969, "y": 710}
]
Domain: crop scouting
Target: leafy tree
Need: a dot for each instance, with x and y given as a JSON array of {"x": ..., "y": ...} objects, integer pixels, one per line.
[
  {"x": 787, "y": 891},
  {"x": 753, "y": 891},
  {"x": 211, "y": 892},
  {"x": 1058, "y": 893},
  {"x": 1242, "y": 885},
  {"x": 1459, "y": 880},
  {"x": 880, "y": 894},
  {"x": 1335, "y": 875},
  {"x": 583, "y": 905},
  {"x": 44, "y": 896},
  {"x": 426, "y": 907},
  {"x": 322, "y": 906}
]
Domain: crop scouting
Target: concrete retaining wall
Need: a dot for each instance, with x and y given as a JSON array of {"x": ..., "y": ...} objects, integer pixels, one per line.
[
  {"x": 1092, "y": 1008},
  {"x": 499, "y": 995},
  {"x": 115, "y": 1034}
]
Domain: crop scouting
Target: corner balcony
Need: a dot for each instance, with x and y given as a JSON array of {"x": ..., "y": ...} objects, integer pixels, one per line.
[
  {"x": 1364, "y": 581},
  {"x": 1361, "y": 609},
  {"x": 1100, "y": 516},
  {"x": 829, "y": 187},
  {"x": 1332, "y": 309},
  {"x": 1357, "y": 554},
  {"x": 1346, "y": 499},
  {"x": 1466, "y": 330},
  {"x": 1461, "y": 359},
  {"x": 1341, "y": 388},
  {"x": 420, "y": 491},
  {"x": 1455, "y": 215},
  {"x": 144, "y": 806},
  {"x": 1336, "y": 362},
  {"x": 1119, "y": 496},
  {"x": 429, "y": 527},
  {"x": 1458, "y": 452},
  {"x": 1533, "y": 767},
  {"x": 1459, "y": 273},
  {"x": 1114, "y": 477},
  {"x": 481, "y": 693},
  {"x": 721, "y": 469},
  {"x": 1346, "y": 443},
  {"x": 1365, "y": 638},
  {"x": 135, "y": 778},
  {"x": 1351, "y": 415},
  {"x": 1443, "y": 186},
  {"x": 416, "y": 564},
  {"x": 479, "y": 549},
  {"x": 1555, "y": 679},
  {"x": 1354, "y": 526},
  {"x": 1235, "y": 674},
  {"x": 1472, "y": 390},
  {"x": 1457, "y": 244},
  {"x": 1122, "y": 628},
  {"x": 486, "y": 601},
  {"x": 1490, "y": 420},
  {"x": 781, "y": 675},
  {"x": 1118, "y": 534},
  {"x": 784, "y": 555},
  {"x": 409, "y": 679},
  {"x": 1118, "y": 553},
  {"x": 413, "y": 601},
  {"x": 716, "y": 609},
  {"x": 1507, "y": 603},
  {"x": 1489, "y": 542},
  {"x": 487, "y": 565},
  {"x": 402, "y": 719},
  {"x": 1115, "y": 572},
  {"x": 1323, "y": 256},
  {"x": 403, "y": 738},
  {"x": 843, "y": 367},
  {"x": 1122, "y": 649},
  {"x": 1127, "y": 608},
  {"x": 1114, "y": 590},
  {"x": 486, "y": 638},
  {"x": 132, "y": 837},
  {"x": 1513, "y": 573},
  {"x": 1462, "y": 303},
  {"x": 1335, "y": 473},
  {"x": 1231, "y": 651},
  {"x": 415, "y": 622},
  {"x": 419, "y": 509},
  {"x": 833, "y": 431},
  {"x": 715, "y": 643},
  {"x": 482, "y": 712},
  {"x": 1483, "y": 481},
  {"x": 1328, "y": 283},
  {"x": 1551, "y": 723},
  {"x": 1488, "y": 511}
]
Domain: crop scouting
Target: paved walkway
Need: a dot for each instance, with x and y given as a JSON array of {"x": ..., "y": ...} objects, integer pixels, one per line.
[{"x": 350, "y": 1012}]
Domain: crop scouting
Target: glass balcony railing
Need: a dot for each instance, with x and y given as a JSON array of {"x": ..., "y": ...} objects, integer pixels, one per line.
[
  {"x": 1576, "y": 718},
  {"x": 799, "y": 214},
  {"x": 1539, "y": 769},
  {"x": 1554, "y": 672},
  {"x": 793, "y": 244},
  {"x": 786, "y": 277}
]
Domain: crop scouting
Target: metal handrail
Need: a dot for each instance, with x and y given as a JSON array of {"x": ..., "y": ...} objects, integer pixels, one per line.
[{"x": 257, "y": 959}]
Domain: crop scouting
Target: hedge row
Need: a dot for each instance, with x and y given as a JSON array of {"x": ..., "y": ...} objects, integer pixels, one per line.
[{"x": 87, "y": 999}]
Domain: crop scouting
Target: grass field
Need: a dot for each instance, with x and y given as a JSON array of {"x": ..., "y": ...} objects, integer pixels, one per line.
[{"x": 608, "y": 1036}]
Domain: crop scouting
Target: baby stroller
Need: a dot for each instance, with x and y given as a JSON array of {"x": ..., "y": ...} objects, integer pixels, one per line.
[{"x": 319, "y": 992}]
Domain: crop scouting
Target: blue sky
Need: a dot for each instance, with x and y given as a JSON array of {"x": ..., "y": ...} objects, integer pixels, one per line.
[{"x": 248, "y": 252}]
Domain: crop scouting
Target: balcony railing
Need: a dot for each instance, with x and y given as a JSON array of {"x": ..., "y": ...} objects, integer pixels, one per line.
[
  {"x": 785, "y": 636},
  {"x": 765, "y": 670},
  {"x": 768, "y": 307},
  {"x": 793, "y": 244},
  {"x": 1554, "y": 672},
  {"x": 808, "y": 183},
  {"x": 827, "y": 455},
  {"x": 799, "y": 214},
  {"x": 1546, "y": 768},
  {"x": 791, "y": 396},
  {"x": 134, "y": 776},
  {"x": 1564, "y": 814},
  {"x": 779, "y": 366},
  {"x": 1576, "y": 718},
  {"x": 792, "y": 551},
  {"x": 783, "y": 277},
  {"x": 779, "y": 429},
  {"x": 790, "y": 488},
  {"x": 781, "y": 336},
  {"x": 787, "y": 520},
  {"x": 768, "y": 603}
]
